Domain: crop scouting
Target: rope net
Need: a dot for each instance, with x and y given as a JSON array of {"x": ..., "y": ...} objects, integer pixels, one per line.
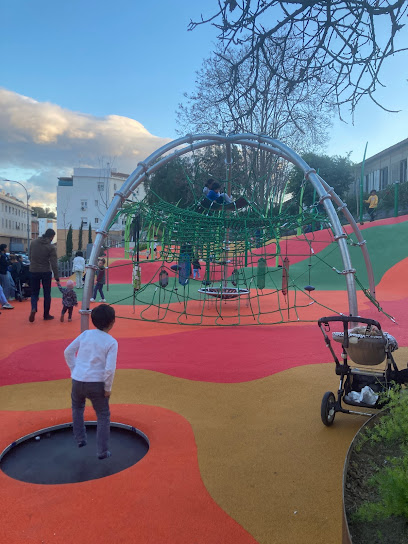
[{"x": 221, "y": 266}]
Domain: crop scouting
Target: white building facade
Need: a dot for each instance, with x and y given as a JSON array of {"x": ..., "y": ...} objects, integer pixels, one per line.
[
  {"x": 13, "y": 223},
  {"x": 45, "y": 223},
  {"x": 83, "y": 198}
]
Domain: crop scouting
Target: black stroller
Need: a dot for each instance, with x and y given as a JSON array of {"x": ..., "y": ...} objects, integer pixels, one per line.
[
  {"x": 365, "y": 346},
  {"x": 24, "y": 282}
]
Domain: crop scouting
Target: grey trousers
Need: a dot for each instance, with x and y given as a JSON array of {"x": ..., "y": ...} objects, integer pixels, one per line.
[{"x": 95, "y": 392}]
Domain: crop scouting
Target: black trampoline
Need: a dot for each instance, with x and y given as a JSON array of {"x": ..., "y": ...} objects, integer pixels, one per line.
[{"x": 51, "y": 456}]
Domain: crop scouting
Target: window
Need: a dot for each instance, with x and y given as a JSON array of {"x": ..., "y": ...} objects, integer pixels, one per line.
[
  {"x": 96, "y": 202},
  {"x": 101, "y": 187},
  {"x": 114, "y": 186},
  {"x": 84, "y": 205},
  {"x": 96, "y": 221},
  {"x": 84, "y": 221},
  {"x": 403, "y": 171},
  {"x": 383, "y": 178}
]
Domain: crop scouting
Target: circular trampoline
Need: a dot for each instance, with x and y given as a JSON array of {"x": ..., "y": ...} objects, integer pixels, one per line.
[{"x": 51, "y": 456}]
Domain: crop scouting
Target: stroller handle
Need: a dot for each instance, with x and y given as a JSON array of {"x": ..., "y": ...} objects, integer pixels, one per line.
[{"x": 349, "y": 319}]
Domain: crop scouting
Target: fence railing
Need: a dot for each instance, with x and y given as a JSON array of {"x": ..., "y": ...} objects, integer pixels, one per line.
[{"x": 65, "y": 268}]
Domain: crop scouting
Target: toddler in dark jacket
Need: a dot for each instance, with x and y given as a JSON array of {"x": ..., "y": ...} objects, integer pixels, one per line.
[{"x": 69, "y": 300}]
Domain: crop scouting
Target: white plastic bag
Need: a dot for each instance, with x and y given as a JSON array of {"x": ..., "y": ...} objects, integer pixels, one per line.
[{"x": 368, "y": 396}]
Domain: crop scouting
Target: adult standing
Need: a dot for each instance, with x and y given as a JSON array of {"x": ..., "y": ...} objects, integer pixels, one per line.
[
  {"x": 3, "y": 301},
  {"x": 4, "y": 276},
  {"x": 43, "y": 259}
]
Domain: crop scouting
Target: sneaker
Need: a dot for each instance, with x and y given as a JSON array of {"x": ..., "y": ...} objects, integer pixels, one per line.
[
  {"x": 62, "y": 318},
  {"x": 48, "y": 317},
  {"x": 69, "y": 319},
  {"x": 82, "y": 443},
  {"x": 92, "y": 300},
  {"x": 105, "y": 455},
  {"x": 103, "y": 300},
  {"x": 8, "y": 306},
  {"x": 32, "y": 315}
]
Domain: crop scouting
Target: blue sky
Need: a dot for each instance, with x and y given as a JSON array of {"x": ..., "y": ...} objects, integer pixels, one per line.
[
  {"x": 119, "y": 69},
  {"x": 126, "y": 57}
]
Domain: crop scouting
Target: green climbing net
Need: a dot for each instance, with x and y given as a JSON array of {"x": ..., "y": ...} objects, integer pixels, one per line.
[{"x": 244, "y": 264}]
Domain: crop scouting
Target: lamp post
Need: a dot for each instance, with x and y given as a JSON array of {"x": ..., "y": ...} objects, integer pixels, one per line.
[{"x": 28, "y": 214}]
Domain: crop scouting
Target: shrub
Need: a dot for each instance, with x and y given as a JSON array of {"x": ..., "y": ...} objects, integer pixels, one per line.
[{"x": 390, "y": 480}]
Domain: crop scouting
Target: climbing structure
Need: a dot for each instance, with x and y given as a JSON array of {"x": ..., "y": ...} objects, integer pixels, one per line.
[
  {"x": 243, "y": 258},
  {"x": 245, "y": 252}
]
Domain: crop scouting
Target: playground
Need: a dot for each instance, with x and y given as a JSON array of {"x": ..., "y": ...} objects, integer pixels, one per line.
[
  {"x": 224, "y": 374},
  {"x": 237, "y": 449}
]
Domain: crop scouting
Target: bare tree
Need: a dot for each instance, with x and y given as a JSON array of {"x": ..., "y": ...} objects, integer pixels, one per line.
[
  {"x": 64, "y": 213},
  {"x": 349, "y": 38},
  {"x": 297, "y": 118}
]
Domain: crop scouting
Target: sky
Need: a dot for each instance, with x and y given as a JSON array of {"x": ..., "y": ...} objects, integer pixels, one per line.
[{"x": 83, "y": 83}]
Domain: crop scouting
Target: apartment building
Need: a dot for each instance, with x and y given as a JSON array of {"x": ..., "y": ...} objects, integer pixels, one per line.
[
  {"x": 13, "y": 223},
  {"x": 83, "y": 199}
]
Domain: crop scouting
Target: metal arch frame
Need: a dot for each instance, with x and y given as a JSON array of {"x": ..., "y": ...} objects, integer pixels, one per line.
[{"x": 190, "y": 143}]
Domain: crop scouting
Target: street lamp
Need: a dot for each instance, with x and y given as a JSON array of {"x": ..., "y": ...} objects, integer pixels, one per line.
[{"x": 28, "y": 214}]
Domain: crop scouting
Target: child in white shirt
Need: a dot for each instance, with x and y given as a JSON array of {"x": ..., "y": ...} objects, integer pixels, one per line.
[
  {"x": 78, "y": 266},
  {"x": 92, "y": 360}
]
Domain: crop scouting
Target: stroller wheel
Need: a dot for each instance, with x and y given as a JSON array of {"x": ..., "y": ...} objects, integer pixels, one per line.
[{"x": 328, "y": 409}]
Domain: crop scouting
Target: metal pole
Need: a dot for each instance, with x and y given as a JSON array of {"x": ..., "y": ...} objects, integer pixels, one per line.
[
  {"x": 228, "y": 162},
  {"x": 314, "y": 200},
  {"x": 299, "y": 229},
  {"x": 28, "y": 227},
  {"x": 361, "y": 184},
  {"x": 396, "y": 194}
]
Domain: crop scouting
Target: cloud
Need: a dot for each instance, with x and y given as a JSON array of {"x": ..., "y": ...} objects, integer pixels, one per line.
[{"x": 48, "y": 141}]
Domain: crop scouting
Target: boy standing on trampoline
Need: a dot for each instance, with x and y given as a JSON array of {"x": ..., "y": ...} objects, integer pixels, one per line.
[{"x": 92, "y": 360}]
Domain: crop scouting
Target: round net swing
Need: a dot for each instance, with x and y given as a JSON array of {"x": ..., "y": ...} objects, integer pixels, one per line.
[{"x": 234, "y": 262}]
